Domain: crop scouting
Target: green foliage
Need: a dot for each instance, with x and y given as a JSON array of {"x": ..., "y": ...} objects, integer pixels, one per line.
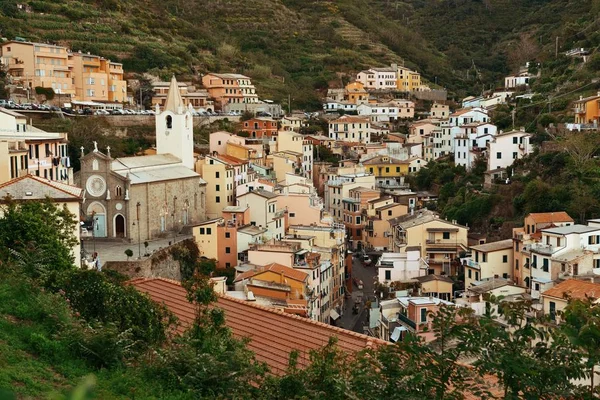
[
  {"x": 98, "y": 298},
  {"x": 322, "y": 153},
  {"x": 37, "y": 236}
]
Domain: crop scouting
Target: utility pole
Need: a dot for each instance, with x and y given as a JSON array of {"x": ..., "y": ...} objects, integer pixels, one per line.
[{"x": 556, "y": 48}]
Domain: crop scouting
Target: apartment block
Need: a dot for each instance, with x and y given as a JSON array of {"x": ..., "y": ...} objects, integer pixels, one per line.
[
  {"x": 197, "y": 98},
  {"x": 25, "y": 150},
  {"x": 78, "y": 76},
  {"x": 225, "y": 89}
]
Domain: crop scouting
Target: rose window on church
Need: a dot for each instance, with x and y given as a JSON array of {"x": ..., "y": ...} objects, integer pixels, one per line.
[{"x": 96, "y": 186}]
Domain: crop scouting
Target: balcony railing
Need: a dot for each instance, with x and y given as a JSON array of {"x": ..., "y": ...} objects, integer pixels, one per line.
[
  {"x": 543, "y": 248},
  {"x": 407, "y": 321}
]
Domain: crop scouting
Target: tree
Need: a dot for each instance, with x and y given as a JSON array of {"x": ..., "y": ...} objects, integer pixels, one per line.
[
  {"x": 581, "y": 324},
  {"x": 207, "y": 360},
  {"x": 129, "y": 253},
  {"x": 39, "y": 234},
  {"x": 530, "y": 360}
]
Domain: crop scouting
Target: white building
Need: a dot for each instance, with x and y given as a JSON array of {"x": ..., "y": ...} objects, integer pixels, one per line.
[
  {"x": 564, "y": 251},
  {"x": 337, "y": 105},
  {"x": 443, "y": 142},
  {"x": 387, "y": 112},
  {"x": 472, "y": 142},
  {"x": 351, "y": 129},
  {"x": 506, "y": 147},
  {"x": 401, "y": 267},
  {"x": 378, "y": 78},
  {"x": 513, "y": 81}
]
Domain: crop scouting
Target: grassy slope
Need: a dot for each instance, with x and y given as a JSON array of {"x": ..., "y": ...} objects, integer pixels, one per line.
[
  {"x": 33, "y": 328},
  {"x": 297, "y": 46}
]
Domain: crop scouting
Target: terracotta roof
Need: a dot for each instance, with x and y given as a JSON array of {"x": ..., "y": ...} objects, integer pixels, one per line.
[
  {"x": 288, "y": 272},
  {"x": 266, "y": 182},
  {"x": 550, "y": 217},
  {"x": 273, "y": 334},
  {"x": 575, "y": 289},
  {"x": 231, "y": 160}
]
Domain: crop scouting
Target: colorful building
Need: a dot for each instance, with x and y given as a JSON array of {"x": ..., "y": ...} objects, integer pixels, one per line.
[
  {"x": 77, "y": 76},
  {"x": 587, "y": 110},
  {"x": 225, "y": 89}
]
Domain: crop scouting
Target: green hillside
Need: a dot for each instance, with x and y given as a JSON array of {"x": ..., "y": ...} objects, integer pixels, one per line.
[{"x": 297, "y": 46}]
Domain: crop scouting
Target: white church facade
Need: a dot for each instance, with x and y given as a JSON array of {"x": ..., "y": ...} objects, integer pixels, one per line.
[{"x": 146, "y": 197}]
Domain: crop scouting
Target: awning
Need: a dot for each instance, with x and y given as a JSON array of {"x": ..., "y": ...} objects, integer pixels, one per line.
[
  {"x": 334, "y": 315},
  {"x": 396, "y": 334}
]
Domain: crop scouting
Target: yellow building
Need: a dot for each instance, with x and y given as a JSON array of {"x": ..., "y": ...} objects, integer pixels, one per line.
[
  {"x": 386, "y": 166},
  {"x": 356, "y": 93},
  {"x": 205, "y": 235},
  {"x": 408, "y": 80},
  {"x": 377, "y": 229},
  {"x": 438, "y": 286},
  {"x": 587, "y": 110},
  {"x": 219, "y": 175},
  {"x": 439, "y": 241},
  {"x": 488, "y": 261},
  {"x": 78, "y": 76}
]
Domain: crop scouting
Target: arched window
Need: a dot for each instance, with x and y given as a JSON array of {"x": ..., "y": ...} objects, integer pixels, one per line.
[
  {"x": 169, "y": 122},
  {"x": 95, "y": 165},
  {"x": 118, "y": 191}
]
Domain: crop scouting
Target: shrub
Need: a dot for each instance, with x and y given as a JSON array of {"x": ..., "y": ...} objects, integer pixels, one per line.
[{"x": 47, "y": 92}]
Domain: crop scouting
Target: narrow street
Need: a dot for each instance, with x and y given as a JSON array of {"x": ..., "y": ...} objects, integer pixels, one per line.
[{"x": 355, "y": 322}]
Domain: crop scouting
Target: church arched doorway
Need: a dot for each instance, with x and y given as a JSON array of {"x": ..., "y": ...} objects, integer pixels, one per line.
[{"x": 119, "y": 226}]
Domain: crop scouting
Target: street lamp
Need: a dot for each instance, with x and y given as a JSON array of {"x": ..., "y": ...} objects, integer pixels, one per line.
[
  {"x": 82, "y": 249},
  {"x": 137, "y": 206}
]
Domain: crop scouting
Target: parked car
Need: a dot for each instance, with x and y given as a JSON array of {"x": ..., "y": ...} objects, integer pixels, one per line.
[
  {"x": 358, "y": 283},
  {"x": 366, "y": 259},
  {"x": 88, "y": 111}
]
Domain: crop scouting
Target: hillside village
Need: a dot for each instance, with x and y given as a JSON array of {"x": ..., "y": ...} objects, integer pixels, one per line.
[{"x": 316, "y": 223}]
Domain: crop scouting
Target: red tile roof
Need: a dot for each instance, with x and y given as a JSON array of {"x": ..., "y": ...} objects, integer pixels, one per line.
[
  {"x": 550, "y": 217},
  {"x": 273, "y": 334},
  {"x": 575, "y": 289}
]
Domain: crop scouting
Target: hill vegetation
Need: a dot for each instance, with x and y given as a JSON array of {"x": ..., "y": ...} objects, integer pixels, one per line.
[
  {"x": 80, "y": 334},
  {"x": 297, "y": 47}
]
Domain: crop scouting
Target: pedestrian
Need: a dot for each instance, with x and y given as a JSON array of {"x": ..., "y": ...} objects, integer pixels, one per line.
[{"x": 97, "y": 262}]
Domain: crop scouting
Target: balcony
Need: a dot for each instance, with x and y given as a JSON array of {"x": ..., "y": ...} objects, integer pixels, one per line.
[
  {"x": 278, "y": 214},
  {"x": 407, "y": 321},
  {"x": 471, "y": 263},
  {"x": 543, "y": 248}
]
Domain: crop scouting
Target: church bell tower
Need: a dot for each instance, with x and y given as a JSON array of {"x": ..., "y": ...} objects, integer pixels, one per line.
[{"x": 175, "y": 128}]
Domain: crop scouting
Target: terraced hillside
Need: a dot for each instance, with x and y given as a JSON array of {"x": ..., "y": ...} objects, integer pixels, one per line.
[{"x": 297, "y": 46}]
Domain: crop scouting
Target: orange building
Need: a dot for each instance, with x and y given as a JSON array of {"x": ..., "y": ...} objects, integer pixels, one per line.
[
  {"x": 260, "y": 127},
  {"x": 280, "y": 286},
  {"x": 229, "y": 88},
  {"x": 587, "y": 110},
  {"x": 77, "y": 76},
  {"x": 354, "y": 215}
]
